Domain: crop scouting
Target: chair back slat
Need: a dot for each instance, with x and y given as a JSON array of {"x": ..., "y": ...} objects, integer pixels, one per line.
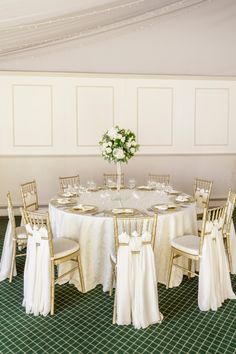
[
  {"x": 69, "y": 181},
  {"x": 230, "y": 206},
  {"x": 11, "y": 215},
  {"x": 138, "y": 224},
  {"x": 159, "y": 178},
  {"x": 39, "y": 220},
  {"x": 200, "y": 185},
  {"x": 214, "y": 215},
  {"x": 29, "y": 195}
]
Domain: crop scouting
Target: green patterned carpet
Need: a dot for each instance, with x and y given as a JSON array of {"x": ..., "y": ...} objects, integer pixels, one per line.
[{"x": 82, "y": 323}]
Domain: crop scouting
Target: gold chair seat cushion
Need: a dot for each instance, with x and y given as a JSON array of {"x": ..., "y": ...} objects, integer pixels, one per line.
[
  {"x": 21, "y": 233},
  {"x": 64, "y": 246},
  {"x": 189, "y": 244}
]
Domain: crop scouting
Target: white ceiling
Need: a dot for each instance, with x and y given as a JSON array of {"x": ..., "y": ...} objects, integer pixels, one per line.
[{"x": 198, "y": 41}]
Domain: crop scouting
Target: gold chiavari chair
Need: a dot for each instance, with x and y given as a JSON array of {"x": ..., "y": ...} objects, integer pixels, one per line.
[
  {"x": 18, "y": 234},
  {"x": 190, "y": 246},
  {"x": 69, "y": 181},
  {"x": 159, "y": 178},
  {"x": 29, "y": 195},
  {"x": 129, "y": 225},
  {"x": 110, "y": 179},
  {"x": 61, "y": 249},
  {"x": 230, "y": 205},
  {"x": 201, "y": 193}
]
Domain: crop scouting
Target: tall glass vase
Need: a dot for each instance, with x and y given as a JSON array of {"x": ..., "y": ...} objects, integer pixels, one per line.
[{"x": 118, "y": 172}]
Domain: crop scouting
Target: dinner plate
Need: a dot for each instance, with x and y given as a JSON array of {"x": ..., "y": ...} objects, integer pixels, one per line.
[
  {"x": 164, "y": 207},
  {"x": 66, "y": 201},
  {"x": 67, "y": 194},
  {"x": 174, "y": 192},
  {"x": 84, "y": 208},
  {"x": 145, "y": 188},
  {"x": 118, "y": 211}
]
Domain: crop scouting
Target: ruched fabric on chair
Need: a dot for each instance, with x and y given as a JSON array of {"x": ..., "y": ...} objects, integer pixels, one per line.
[
  {"x": 43, "y": 254},
  {"x": 214, "y": 279},
  {"x": 136, "y": 296},
  {"x": 15, "y": 239}
]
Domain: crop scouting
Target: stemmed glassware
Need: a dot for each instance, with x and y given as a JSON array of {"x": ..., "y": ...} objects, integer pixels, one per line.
[{"x": 132, "y": 183}]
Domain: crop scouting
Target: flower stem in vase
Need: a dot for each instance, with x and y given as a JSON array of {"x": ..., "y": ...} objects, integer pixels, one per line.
[{"x": 118, "y": 172}]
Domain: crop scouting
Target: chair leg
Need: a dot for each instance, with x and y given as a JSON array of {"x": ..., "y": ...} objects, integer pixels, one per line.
[
  {"x": 189, "y": 268},
  {"x": 52, "y": 287},
  {"x": 114, "y": 310},
  {"x": 170, "y": 268},
  {"x": 13, "y": 261},
  {"x": 229, "y": 252},
  {"x": 81, "y": 276},
  {"x": 112, "y": 280}
]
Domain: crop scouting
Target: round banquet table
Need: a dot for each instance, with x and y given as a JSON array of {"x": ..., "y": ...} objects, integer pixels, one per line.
[{"x": 96, "y": 237}]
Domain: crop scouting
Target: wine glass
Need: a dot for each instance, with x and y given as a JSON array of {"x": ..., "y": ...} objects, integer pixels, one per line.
[{"x": 131, "y": 183}]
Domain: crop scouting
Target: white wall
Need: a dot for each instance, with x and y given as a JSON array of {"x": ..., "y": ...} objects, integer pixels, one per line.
[{"x": 50, "y": 125}]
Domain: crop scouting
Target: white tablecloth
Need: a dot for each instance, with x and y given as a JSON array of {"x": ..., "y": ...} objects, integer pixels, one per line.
[{"x": 96, "y": 238}]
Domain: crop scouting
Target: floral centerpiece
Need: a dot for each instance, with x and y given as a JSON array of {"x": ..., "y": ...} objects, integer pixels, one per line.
[{"x": 118, "y": 145}]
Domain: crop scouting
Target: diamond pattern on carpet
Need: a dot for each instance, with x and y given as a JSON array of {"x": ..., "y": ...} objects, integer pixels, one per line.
[{"x": 82, "y": 322}]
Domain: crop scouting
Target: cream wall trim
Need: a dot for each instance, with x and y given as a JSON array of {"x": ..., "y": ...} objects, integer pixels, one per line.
[
  {"x": 108, "y": 100},
  {"x": 159, "y": 132},
  {"x": 93, "y": 108},
  {"x": 111, "y": 75},
  {"x": 35, "y": 126},
  {"x": 211, "y": 128}
]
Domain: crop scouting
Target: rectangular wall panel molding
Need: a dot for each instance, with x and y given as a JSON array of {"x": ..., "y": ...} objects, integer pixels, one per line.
[
  {"x": 155, "y": 116},
  {"x": 50, "y": 114},
  {"x": 211, "y": 116},
  {"x": 95, "y": 113},
  {"x": 32, "y": 115}
]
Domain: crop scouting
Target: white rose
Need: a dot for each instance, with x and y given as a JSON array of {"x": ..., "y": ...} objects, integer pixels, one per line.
[
  {"x": 104, "y": 145},
  {"x": 108, "y": 150},
  {"x": 109, "y": 144},
  {"x": 134, "y": 143},
  {"x": 128, "y": 144},
  {"x": 123, "y": 139},
  {"x": 119, "y": 154},
  {"x": 119, "y": 136},
  {"x": 112, "y": 133},
  {"x": 132, "y": 150}
]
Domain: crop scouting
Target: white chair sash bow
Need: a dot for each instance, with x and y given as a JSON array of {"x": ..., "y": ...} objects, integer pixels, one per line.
[
  {"x": 214, "y": 279},
  {"x": 136, "y": 291},
  {"x": 37, "y": 294}
]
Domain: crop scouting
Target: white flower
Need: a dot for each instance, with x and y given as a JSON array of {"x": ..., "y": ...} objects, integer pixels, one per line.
[
  {"x": 109, "y": 143},
  {"x": 123, "y": 139},
  {"x": 119, "y": 136},
  {"x": 119, "y": 154},
  {"x": 104, "y": 145},
  {"x": 133, "y": 143},
  {"x": 128, "y": 144},
  {"x": 112, "y": 133},
  {"x": 132, "y": 150},
  {"x": 108, "y": 150}
]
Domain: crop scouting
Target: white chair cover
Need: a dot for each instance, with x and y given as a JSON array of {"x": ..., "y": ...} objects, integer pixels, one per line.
[
  {"x": 214, "y": 279},
  {"x": 7, "y": 251},
  {"x": 37, "y": 293},
  {"x": 136, "y": 289}
]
